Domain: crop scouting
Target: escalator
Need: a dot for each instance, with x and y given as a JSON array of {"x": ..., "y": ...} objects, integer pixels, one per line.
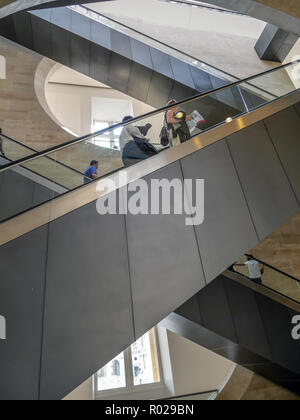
[
  {"x": 32, "y": 186},
  {"x": 78, "y": 288},
  {"x": 124, "y": 59},
  {"x": 252, "y": 325}
]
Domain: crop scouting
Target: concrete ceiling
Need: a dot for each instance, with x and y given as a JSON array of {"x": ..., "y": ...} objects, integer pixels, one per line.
[{"x": 284, "y": 14}]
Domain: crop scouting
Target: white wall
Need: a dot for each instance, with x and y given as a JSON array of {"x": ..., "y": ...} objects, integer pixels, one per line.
[
  {"x": 72, "y": 97},
  {"x": 196, "y": 369},
  {"x": 224, "y": 40},
  {"x": 83, "y": 393}
]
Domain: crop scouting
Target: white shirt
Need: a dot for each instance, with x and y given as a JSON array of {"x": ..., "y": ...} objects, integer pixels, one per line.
[
  {"x": 127, "y": 135},
  {"x": 254, "y": 269}
]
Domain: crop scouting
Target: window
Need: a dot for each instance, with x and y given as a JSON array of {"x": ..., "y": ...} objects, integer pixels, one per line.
[
  {"x": 112, "y": 376},
  {"x": 109, "y": 140},
  {"x": 136, "y": 368},
  {"x": 145, "y": 361}
]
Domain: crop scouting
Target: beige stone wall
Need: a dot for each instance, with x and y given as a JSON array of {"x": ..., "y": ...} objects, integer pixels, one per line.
[
  {"x": 287, "y": 6},
  {"x": 245, "y": 385},
  {"x": 21, "y": 114},
  {"x": 282, "y": 248}
]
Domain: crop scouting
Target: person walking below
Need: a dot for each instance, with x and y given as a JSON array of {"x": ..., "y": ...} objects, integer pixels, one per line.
[
  {"x": 92, "y": 172},
  {"x": 254, "y": 268}
]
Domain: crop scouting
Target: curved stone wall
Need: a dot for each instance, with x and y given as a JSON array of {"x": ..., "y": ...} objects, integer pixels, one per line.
[
  {"x": 244, "y": 385},
  {"x": 21, "y": 115}
]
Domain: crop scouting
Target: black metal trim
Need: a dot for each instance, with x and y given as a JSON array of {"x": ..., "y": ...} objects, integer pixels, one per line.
[
  {"x": 275, "y": 269},
  {"x": 188, "y": 395},
  {"x": 169, "y": 46},
  {"x": 142, "y": 117},
  {"x": 33, "y": 150}
]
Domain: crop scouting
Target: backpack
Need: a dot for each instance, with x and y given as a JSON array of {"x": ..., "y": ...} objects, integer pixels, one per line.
[
  {"x": 164, "y": 134},
  {"x": 145, "y": 146}
]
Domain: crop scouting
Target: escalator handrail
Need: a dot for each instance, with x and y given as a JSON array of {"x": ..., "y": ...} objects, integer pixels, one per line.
[
  {"x": 215, "y": 391},
  {"x": 275, "y": 269},
  {"x": 143, "y": 117},
  {"x": 35, "y": 152},
  {"x": 31, "y": 170},
  {"x": 257, "y": 285},
  {"x": 169, "y": 46},
  {"x": 158, "y": 41}
]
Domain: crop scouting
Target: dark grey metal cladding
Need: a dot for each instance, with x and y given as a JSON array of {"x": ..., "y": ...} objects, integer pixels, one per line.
[
  {"x": 253, "y": 337},
  {"x": 287, "y": 146},
  {"x": 81, "y": 26},
  {"x": 99, "y": 52},
  {"x": 98, "y": 300},
  {"x": 100, "y": 63},
  {"x": 252, "y": 101},
  {"x": 139, "y": 82},
  {"x": 80, "y": 54},
  {"x": 231, "y": 97},
  {"x": 123, "y": 63},
  {"x": 101, "y": 35},
  {"x": 186, "y": 327},
  {"x": 245, "y": 327},
  {"x": 23, "y": 268},
  {"x": 63, "y": 19},
  {"x": 19, "y": 194},
  {"x": 215, "y": 311},
  {"x": 275, "y": 44},
  {"x": 268, "y": 191},
  {"x": 164, "y": 261},
  {"x": 17, "y": 199},
  {"x": 61, "y": 46},
  {"x": 41, "y": 195},
  {"x": 160, "y": 90},
  {"x": 119, "y": 72},
  {"x": 201, "y": 79},
  {"x": 228, "y": 229},
  {"x": 141, "y": 53},
  {"x": 23, "y": 29},
  {"x": 297, "y": 107},
  {"x": 88, "y": 316},
  {"x": 273, "y": 15},
  {"x": 278, "y": 326},
  {"x": 41, "y": 31},
  {"x": 62, "y": 16},
  {"x": 120, "y": 44}
]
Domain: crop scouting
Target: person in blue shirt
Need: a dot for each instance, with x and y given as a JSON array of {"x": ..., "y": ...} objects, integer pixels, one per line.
[{"x": 92, "y": 172}]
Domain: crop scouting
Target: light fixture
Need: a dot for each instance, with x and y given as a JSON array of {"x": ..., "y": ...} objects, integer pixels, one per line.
[
  {"x": 180, "y": 115},
  {"x": 229, "y": 120}
]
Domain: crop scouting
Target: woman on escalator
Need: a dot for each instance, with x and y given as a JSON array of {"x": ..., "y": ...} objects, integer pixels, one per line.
[{"x": 176, "y": 124}]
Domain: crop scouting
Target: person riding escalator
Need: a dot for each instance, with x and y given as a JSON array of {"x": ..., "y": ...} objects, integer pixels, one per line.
[{"x": 134, "y": 144}]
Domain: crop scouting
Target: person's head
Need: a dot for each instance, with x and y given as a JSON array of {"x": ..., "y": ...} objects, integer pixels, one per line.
[
  {"x": 127, "y": 118},
  {"x": 250, "y": 258},
  {"x": 94, "y": 163}
]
